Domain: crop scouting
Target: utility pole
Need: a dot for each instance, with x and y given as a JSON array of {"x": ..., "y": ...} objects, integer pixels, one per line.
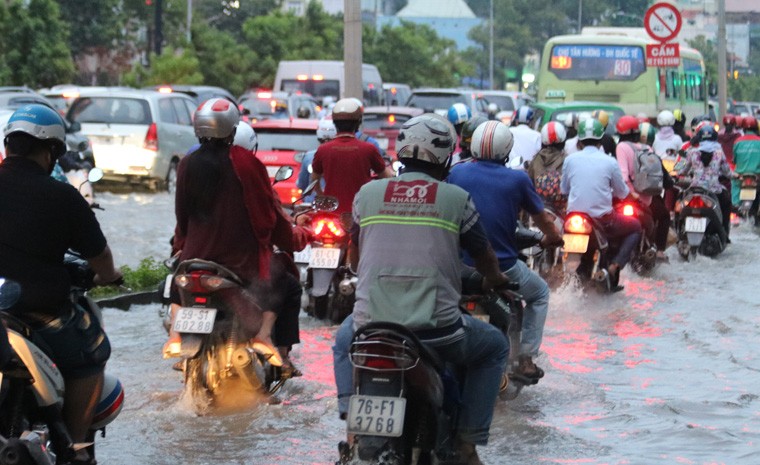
[
  {"x": 490, "y": 50},
  {"x": 189, "y": 33},
  {"x": 352, "y": 48},
  {"x": 722, "y": 84},
  {"x": 158, "y": 38},
  {"x": 580, "y": 14}
]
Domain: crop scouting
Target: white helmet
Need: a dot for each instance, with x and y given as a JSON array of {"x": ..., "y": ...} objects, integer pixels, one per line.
[
  {"x": 245, "y": 137},
  {"x": 492, "y": 140},
  {"x": 326, "y": 130},
  {"x": 429, "y": 138},
  {"x": 216, "y": 118},
  {"x": 666, "y": 118},
  {"x": 553, "y": 132}
]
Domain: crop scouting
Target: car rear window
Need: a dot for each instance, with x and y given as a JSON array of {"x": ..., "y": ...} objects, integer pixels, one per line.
[
  {"x": 433, "y": 101},
  {"x": 384, "y": 121},
  {"x": 267, "y": 108},
  {"x": 110, "y": 110},
  {"x": 503, "y": 101},
  {"x": 299, "y": 141}
]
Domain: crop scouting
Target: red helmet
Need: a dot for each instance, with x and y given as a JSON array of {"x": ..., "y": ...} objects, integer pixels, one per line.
[
  {"x": 627, "y": 125},
  {"x": 749, "y": 122},
  {"x": 728, "y": 118}
]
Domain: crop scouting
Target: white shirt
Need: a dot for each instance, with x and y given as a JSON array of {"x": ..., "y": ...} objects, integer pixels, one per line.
[
  {"x": 571, "y": 145},
  {"x": 527, "y": 142},
  {"x": 664, "y": 141},
  {"x": 591, "y": 178}
]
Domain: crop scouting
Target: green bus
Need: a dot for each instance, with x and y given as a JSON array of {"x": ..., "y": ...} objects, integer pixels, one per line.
[{"x": 611, "y": 67}]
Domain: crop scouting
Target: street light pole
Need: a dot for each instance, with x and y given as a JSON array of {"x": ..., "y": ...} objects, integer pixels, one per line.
[
  {"x": 490, "y": 50},
  {"x": 722, "y": 84},
  {"x": 580, "y": 14},
  {"x": 189, "y": 33},
  {"x": 352, "y": 49}
]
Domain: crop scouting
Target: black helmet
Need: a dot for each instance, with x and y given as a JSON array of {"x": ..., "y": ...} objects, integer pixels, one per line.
[
  {"x": 707, "y": 132},
  {"x": 468, "y": 129},
  {"x": 698, "y": 119}
]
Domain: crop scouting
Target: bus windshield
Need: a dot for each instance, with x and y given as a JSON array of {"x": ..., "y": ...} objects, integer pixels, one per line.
[{"x": 597, "y": 62}]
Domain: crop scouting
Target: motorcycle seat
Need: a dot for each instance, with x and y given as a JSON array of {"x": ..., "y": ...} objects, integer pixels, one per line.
[
  {"x": 401, "y": 334},
  {"x": 195, "y": 264}
]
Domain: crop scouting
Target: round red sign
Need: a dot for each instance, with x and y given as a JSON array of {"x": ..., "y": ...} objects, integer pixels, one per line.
[{"x": 662, "y": 22}]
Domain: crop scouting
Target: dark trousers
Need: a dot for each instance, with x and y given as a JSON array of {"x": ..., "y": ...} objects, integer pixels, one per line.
[
  {"x": 617, "y": 227},
  {"x": 724, "y": 200},
  {"x": 662, "y": 222}
]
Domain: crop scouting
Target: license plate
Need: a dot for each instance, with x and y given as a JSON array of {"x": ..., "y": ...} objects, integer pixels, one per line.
[
  {"x": 747, "y": 194},
  {"x": 272, "y": 170},
  {"x": 695, "y": 224},
  {"x": 194, "y": 320},
  {"x": 376, "y": 415},
  {"x": 575, "y": 243},
  {"x": 324, "y": 257},
  {"x": 303, "y": 256}
]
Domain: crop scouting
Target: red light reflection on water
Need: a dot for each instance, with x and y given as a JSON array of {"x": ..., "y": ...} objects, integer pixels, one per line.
[{"x": 572, "y": 350}]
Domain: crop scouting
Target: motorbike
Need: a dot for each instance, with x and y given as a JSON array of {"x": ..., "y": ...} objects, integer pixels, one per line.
[
  {"x": 747, "y": 195},
  {"x": 543, "y": 261},
  {"x": 698, "y": 224},
  {"x": 32, "y": 431},
  {"x": 330, "y": 284},
  {"x": 644, "y": 257}
]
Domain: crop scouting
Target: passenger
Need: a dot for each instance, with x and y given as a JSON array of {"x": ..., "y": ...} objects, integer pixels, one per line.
[
  {"x": 427, "y": 236},
  {"x": 666, "y": 142},
  {"x": 465, "y": 139},
  {"x": 527, "y": 139},
  {"x": 325, "y": 132},
  {"x": 546, "y": 168},
  {"x": 458, "y": 115},
  {"x": 732, "y": 130},
  {"x": 609, "y": 146},
  {"x": 747, "y": 158},
  {"x": 41, "y": 219},
  {"x": 571, "y": 128},
  {"x": 499, "y": 194},
  {"x": 591, "y": 179}
]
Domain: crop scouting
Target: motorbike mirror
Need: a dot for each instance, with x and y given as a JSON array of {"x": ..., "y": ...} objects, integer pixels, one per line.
[
  {"x": 397, "y": 166},
  {"x": 285, "y": 172},
  {"x": 76, "y": 126},
  {"x": 325, "y": 203},
  {"x": 10, "y": 291},
  {"x": 310, "y": 188},
  {"x": 95, "y": 175}
]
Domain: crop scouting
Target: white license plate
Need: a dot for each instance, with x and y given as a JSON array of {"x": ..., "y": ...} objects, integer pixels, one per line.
[
  {"x": 303, "y": 256},
  {"x": 272, "y": 170},
  {"x": 747, "y": 194},
  {"x": 697, "y": 225},
  {"x": 575, "y": 243},
  {"x": 324, "y": 257},
  {"x": 376, "y": 415},
  {"x": 194, "y": 320}
]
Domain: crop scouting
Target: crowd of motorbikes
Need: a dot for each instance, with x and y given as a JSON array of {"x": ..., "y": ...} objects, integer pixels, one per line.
[{"x": 405, "y": 400}]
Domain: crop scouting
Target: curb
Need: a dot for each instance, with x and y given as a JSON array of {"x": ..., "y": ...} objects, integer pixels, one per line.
[{"x": 124, "y": 301}]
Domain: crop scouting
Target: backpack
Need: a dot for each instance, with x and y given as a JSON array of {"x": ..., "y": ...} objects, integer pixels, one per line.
[{"x": 647, "y": 170}]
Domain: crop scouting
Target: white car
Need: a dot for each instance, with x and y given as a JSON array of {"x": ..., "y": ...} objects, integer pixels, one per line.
[{"x": 137, "y": 136}]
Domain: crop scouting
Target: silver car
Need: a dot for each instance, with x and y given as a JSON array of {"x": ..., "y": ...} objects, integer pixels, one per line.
[{"x": 137, "y": 136}]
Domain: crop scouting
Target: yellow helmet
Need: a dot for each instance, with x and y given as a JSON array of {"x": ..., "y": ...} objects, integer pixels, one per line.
[{"x": 602, "y": 116}]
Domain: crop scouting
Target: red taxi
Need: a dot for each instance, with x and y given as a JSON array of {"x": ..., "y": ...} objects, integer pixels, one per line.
[
  {"x": 384, "y": 122},
  {"x": 280, "y": 140}
]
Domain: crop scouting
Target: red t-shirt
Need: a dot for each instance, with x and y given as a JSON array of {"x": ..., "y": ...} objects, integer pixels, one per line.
[{"x": 346, "y": 164}]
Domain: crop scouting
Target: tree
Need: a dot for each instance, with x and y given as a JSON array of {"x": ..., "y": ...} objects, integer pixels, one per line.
[
  {"x": 97, "y": 23},
  {"x": 37, "y": 52},
  {"x": 229, "y": 16},
  {"x": 414, "y": 54},
  {"x": 175, "y": 67},
  {"x": 225, "y": 62}
]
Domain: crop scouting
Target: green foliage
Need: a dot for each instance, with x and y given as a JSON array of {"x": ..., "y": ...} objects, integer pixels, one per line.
[
  {"x": 170, "y": 67},
  {"x": 97, "y": 23},
  {"x": 146, "y": 277},
  {"x": 226, "y": 62},
  {"x": 36, "y": 52},
  {"x": 413, "y": 54}
]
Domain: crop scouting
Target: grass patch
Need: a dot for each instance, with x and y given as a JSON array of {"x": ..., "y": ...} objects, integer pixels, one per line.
[{"x": 146, "y": 277}]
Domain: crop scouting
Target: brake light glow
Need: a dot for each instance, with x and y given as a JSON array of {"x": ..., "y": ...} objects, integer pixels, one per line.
[
  {"x": 151, "y": 138},
  {"x": 318, "y": 77},
  {"x": 295, "y": 194},
  {"x": 391, "y": 119},
  {"x": 201, "y": 300},
  {"x": 577, "y": 224},
  {"x": 328, "y": 230},
  {"x": 628, "y": 210},
  {"x": 393, "y": 90},
  {"x": 749, "y": 181},
  {"x": 70, "y": 94},
  {"x": 165, "y": 89},
  {"x": 697, "y": 202},
  {"x": 380, "y": 363},
  {"x": 264, "y": 95},
  {"x": 302, "y": 77}
]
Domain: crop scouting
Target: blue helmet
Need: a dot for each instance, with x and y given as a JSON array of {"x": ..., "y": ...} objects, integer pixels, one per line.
[
  {"x": 459, "y": 113},
  {"x": 40, "y": 122},
  {"x": 524, "y": 115}
]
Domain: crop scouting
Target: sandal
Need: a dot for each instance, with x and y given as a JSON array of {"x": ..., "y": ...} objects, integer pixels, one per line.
[
  {"x": 172, "y": 348},
  {"x": 288, "y": 370}
]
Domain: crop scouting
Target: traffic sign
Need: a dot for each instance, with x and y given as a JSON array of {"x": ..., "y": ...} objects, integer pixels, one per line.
[
  {"x": 663, "y": 55},
  {"x": 662, "y": 22}
]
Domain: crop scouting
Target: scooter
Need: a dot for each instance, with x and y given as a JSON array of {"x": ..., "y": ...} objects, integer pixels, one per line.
[
  {"x": 543, "y": 261},
  {"x": 747, "y": 196},
  {"x": 644, "y": 257},
  {"x": 698, "y": 224},
  {"x": 32, "y": 431},
  {"x": 580, "y": 232}
]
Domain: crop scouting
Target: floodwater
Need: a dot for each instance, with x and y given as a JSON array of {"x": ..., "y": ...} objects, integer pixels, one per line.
[{"x": 665, "y": 372}]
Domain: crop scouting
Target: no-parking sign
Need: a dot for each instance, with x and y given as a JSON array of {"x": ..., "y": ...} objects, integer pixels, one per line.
[{"x": 662, "y": 22}]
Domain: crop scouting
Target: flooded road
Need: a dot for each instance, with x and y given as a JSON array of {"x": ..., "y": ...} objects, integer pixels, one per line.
[{"x": 665, "y": 372}]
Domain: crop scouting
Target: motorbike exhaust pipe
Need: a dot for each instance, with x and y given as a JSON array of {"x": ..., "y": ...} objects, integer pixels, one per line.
[
  {"x": 245, "y": 368},
  {"x": 601, "y": 275}
]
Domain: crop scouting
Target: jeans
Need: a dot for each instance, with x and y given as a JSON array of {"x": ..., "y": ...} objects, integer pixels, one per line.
[
  {"x": 482, "y": 354},
  {"x": 535, "y": 291}
]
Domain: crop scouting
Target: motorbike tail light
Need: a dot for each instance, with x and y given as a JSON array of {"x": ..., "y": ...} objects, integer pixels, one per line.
[
  {"x": 697, "y": 202},
  {"x": 328, "y": 229},
  {"x": 749, "y": 181},
  {"x": 151, "y": 138},
  {"x": 212, "y": 282},
  {"x": 380, "y": 363},
  {"x": 577, "y": 224},
  {"x": 628, "y": 210},
  {"x": 201, "y": 300}
]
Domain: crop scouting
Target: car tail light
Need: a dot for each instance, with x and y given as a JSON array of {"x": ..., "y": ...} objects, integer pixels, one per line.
[
  {"x": 264, "y": 95},
  {"x": 628, "y": 210},
  {"x": 165, "y": 89},
  {"x": 151, "y": 138},
  {"x": 302, "y": 77},
  {"x": 318, "y": 77},
  {"x": 577, "y": 224},
  {"x": 391, "y": 119},
  {"x": 328, "y": 230}
]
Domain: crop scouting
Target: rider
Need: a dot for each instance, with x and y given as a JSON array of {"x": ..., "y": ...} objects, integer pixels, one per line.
[
  {"x": 666, "y": 142},
  {"x": 679, "y": 126},
  {"x": 591, "y": 179},
  {"x": 628, "y": 129},
  {"x": 458, "y": 115},
  {"x": 609, "y": 146},
  {"x": 546, "y": 168},
  {"x": 705, "y": 164},
  {"x": 499, "y": 193},
  {"x": 527, "y": 141},
  {"x": 465, "y": 138},
  {"x": 415, "y": 278},
  {"x": 747, "y": 158},
  {"x": 41, "y": 219},
  {"x": 228, "y": 213},
  {"x": 732, "y": 130},
  {"x": 346, "y": 162},
  {"x": 571, "y": 128},
  {"x": 325, "y": 131}
]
